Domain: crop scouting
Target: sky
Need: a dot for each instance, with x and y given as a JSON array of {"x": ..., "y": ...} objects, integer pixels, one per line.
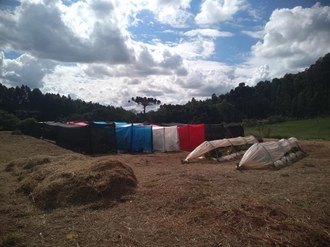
[{"x": 108, "y": 51}]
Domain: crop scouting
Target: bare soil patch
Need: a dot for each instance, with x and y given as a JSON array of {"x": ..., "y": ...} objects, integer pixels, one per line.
[{"x": 204, "y": 203}]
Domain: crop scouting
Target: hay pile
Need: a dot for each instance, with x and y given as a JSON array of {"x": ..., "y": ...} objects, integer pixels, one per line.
[{"x": 60, "y": 181}]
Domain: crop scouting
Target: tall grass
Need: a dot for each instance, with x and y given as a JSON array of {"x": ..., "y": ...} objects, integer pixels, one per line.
[{"x": 318, "y": 128}]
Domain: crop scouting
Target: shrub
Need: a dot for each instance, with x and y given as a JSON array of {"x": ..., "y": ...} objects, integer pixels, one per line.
[{"x": 8, "y": 121}]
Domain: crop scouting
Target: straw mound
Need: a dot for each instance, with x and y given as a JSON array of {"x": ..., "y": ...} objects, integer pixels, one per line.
[
  {"x": 26, "y": 163},
  {"x": 53, "y": 182}
]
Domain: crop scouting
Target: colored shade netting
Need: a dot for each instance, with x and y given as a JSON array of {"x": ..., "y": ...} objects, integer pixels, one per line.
[
  {"x": 134, "y": 138},
  {"x": 191, "y": 136}
]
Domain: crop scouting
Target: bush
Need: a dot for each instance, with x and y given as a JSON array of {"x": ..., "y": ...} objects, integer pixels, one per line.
[{"x": 8, "y": 121}]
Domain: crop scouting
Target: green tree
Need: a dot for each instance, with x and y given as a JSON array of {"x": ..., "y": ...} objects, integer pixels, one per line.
[
  {"x": 8, "y": 121},
  {"x": 144, "y": 101}
]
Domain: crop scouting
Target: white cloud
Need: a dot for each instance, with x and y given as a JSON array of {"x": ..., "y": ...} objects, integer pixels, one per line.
[
  {"x": 194, "y": 80},
  {"x": 203, "y": 79},
  {"x": 24, "y": 70},
  {"x": 216, "y": 11},
  {"x": 293, "y": 40},
  {"x": 108, "y": 66},
  {"x": 196, "y": 48},
  {"x": 133, "y": 81},
  {"x": 207, "y": 33},
  {"x": 102, "y": 90},
  {"x": 2, "y": 57},
  {"x": 260, "y": 73},
  {"x": 171, "y": 12},
  {"x": 51, "y": 34},
  {"x": 175, "y": 3},
  {"x": 254, "y": 34},
  {"x": 174, "y": 17},
  {"x": 149, "y": 60}
]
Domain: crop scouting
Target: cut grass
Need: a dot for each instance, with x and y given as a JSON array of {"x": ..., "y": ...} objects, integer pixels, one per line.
[
  {"x": 318, "y": 128},
  {"x": 198, "y": 204}
]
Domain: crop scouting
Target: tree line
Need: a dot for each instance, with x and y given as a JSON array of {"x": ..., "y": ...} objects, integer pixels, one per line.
[
  {"x": 20, "y": 103},
  {"x": 302, "y": 95}
]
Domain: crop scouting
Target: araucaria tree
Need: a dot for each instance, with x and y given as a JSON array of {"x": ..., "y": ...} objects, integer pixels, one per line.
[{"x": 144, "y": 101}]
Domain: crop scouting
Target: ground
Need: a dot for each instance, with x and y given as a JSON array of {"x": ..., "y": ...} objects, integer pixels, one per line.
[{"x": 203, "y": 203}]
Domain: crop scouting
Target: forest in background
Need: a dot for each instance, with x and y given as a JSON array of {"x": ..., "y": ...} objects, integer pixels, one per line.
[{"x": 296, "y": 96}]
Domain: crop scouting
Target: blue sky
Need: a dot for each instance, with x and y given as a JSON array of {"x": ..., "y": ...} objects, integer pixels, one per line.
[{"x": 108, "y": 51}]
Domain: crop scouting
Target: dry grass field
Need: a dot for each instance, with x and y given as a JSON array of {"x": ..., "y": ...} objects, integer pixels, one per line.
[{"x": 203, "y": 203}]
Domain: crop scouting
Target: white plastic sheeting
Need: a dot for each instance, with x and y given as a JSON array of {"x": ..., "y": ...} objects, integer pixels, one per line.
[
  {"x": 208, "y": 146},
  {"x": 269, "y": 154},
  {"x": 165, "y": 139}
]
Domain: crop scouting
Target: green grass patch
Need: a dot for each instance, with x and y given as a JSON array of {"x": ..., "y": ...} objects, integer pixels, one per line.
[{"x": 318, "y": 128}]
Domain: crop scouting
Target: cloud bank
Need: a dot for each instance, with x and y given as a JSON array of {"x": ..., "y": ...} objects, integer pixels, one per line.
[{"x": 87, "y": 48}]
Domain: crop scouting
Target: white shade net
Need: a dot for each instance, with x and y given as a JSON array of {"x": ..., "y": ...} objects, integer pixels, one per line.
[{"x": 165, "y": 139}]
